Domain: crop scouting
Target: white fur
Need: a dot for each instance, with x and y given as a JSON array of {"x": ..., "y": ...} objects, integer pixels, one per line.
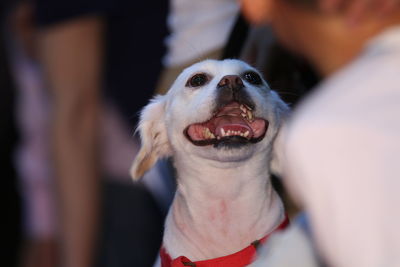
[{"x": 224, "y": 199}]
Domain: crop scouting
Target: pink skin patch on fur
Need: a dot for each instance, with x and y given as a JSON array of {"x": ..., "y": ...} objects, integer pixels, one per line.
[
  {"x": 223, "y": 208},
  {"x": 223, "y": 212}
]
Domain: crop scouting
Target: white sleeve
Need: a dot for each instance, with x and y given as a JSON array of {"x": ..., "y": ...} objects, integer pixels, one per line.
[{"x": 347, "y": 177}]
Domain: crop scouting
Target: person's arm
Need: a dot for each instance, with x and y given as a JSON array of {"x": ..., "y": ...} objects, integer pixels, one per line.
[
  {"x": 382, "y": 5},
  {"x": 357, "y": 9},
  {"x": 257, "y": 11},
  {"x": 71, "y": 54}
]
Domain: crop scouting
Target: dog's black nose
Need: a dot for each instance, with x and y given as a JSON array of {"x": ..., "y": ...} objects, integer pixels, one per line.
[{"x": 232, "y": 81}]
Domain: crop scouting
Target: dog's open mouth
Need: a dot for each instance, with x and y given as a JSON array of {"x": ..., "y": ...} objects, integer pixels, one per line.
[{"x": 233, "y": 123}]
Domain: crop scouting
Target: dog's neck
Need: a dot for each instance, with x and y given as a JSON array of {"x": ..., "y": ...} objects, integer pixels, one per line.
[{"x": 220, "y": 208}]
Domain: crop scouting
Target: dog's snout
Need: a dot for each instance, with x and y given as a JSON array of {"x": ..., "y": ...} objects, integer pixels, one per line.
[
  {"x": 232, "y": 81},
  {"x": 231, "y": 89}
]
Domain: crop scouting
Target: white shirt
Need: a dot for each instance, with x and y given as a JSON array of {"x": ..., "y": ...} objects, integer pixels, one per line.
[
  {"x": 198, "y": 27},
  {"x": 342, "y": 158}
]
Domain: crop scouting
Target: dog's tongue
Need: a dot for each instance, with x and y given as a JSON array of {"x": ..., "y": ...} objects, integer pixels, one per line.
[
  {"x": 230, "y": 119},
  {"x": 231, "y": 123}
]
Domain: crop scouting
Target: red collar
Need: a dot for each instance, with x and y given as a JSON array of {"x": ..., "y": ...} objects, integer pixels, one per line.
[{"x": 238, "y": 259}]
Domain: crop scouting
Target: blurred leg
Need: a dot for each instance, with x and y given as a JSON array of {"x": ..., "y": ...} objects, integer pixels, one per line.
[{"x": 71, "y": 54}]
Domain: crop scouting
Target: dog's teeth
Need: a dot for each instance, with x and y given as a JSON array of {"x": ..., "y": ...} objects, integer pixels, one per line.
[
  {"x": 218, "y": 137},
  {"x": 246, "y": 134},
  {"x": 223, "y": 133},
  {"x": 242, "y": 134},
  {"x": 250, "y": 115},
  {"x": 243, "y": 115},
  {"x": 208, "y": 134},
  {"x": 242, "y": 108},
  {"x": 249, "y": 108},
  {"x": 211, "y": 135}
]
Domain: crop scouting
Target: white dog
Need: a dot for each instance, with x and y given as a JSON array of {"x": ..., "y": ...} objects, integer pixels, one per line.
[{"x": 218, "y": 122}]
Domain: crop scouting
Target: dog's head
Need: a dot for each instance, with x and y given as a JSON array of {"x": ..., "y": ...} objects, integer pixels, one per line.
[{"x": 218, "y": 110}]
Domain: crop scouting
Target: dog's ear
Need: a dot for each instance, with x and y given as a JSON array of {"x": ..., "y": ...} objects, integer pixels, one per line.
[
  {"x": 281, "y": 114},
  {"x": 153, "y": 136}
]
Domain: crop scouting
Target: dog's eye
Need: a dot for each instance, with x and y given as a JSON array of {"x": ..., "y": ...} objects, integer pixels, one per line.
[
  {"x": 197, "y": 80},
  {"x": 252, "y": 77}
]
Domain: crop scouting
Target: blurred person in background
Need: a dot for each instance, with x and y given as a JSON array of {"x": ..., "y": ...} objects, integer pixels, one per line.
[
  {"x": 88, "y": 71},
  {"x": 32, "y": 155},
  {"x": 340, "y": 146}
]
